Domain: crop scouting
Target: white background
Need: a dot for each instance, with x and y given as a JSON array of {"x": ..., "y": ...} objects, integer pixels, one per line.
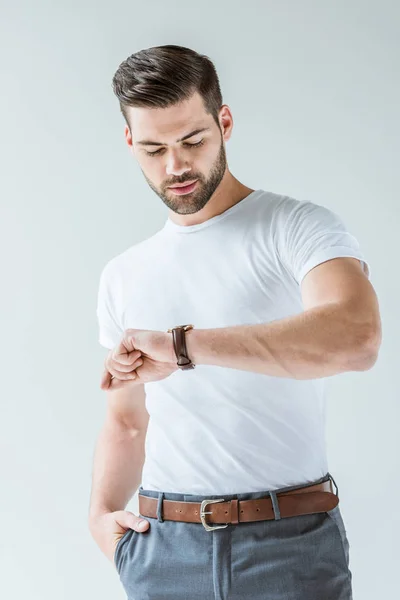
[{"x": 314, "y": 91}]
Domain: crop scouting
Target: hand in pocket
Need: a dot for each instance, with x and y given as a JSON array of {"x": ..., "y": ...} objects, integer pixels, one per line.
[{"x": 108, "y": 529}]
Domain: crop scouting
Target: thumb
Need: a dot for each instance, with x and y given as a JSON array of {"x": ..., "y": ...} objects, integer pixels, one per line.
[{"x": 128, "y": 519}]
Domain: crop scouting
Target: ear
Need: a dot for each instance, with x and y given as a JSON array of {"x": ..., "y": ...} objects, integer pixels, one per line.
[
  {"x": 226, "y": 120},
  {"x": 128, "y": 137}
]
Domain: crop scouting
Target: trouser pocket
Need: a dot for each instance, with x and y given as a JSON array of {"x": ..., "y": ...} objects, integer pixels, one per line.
[
  {"x": 336, "y": 517},
  {"x": 119, "y": 547}
]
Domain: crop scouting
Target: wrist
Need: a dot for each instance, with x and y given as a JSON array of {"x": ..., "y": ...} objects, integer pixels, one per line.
[
  {"x": 96, "y": 513},
  {"x": 190, "y": 339}
]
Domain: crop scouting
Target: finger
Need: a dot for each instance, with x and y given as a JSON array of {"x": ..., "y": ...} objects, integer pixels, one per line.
[
  {"x": 110, "y": 376},
  {"x": 129, "y": 358},
  {"x": 123, "y": 368},
  {"x": 105, "y": 380},
  {"x": 116, "y": 372},
  {"x": 112, "y": 383},
  {"x": 122, "y": 376},
  {"x": 117, "y": 384},
  {"x": 120, "y": 353},
  {"x": 124, "y": 355},
  {"x": 126, "y": 346}
]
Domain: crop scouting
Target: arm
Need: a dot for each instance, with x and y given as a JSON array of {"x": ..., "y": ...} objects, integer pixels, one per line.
[
  {"x": 338, "y": 331},
  {"x": 119, "y": 453}
]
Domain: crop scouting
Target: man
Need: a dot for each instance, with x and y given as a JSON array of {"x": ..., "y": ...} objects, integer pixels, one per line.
[{"x": 221, "y": 328}]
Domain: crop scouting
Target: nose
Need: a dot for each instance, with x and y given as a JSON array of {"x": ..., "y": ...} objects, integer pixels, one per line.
[{"x": 176, "y": 165}]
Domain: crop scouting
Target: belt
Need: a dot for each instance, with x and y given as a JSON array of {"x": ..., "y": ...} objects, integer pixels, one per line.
[{"x": 301, "y": 501}]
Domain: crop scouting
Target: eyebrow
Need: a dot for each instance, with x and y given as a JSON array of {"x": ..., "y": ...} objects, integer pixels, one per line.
[{"x": 185, "y": 137}]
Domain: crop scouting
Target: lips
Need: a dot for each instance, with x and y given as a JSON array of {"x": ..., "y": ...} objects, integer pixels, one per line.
[
  {"x": 186, "y": 188},
  {"x": 183, "y": 184}
]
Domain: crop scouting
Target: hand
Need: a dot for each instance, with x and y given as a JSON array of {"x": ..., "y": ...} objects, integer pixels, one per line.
[
  {"x": 141, "y": 356},
  {"x": 108, "y": 528}
]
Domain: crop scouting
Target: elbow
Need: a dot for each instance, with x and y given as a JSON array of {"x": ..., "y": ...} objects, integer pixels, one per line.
[{"x": 367, "y": 346}]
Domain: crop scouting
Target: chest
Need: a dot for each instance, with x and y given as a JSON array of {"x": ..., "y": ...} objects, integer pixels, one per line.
[{"x": 214, "y": 285}]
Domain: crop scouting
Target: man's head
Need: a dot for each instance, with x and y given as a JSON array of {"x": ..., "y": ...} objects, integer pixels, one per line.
[{"x": 165, "y": 94}]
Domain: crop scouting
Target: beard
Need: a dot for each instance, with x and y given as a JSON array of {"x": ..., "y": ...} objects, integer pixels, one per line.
[{"x": 191, "y": 203}]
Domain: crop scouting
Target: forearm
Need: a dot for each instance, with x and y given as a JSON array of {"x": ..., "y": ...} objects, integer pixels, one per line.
[
  {"x": 117, "y": 467},
  {"x": 316, "y": 343}
]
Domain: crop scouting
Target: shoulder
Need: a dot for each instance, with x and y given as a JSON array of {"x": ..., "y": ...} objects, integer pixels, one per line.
[
  {"x": 293, "y": 216},
  {"x": 287, "y": 207},
  {"x": 282, "y": 209},
  {"x": 131, "y": 259}
]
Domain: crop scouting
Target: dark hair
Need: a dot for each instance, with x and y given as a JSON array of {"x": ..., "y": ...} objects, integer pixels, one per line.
[{"x": 161, "y": 76}]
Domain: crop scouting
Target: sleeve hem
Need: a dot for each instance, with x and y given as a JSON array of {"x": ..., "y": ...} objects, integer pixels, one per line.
[
  {"x": 328, "y": 254},
  {"x": 106, "y": 343}
]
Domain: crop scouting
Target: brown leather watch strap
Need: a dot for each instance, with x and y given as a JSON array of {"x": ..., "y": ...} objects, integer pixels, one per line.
[{"x": 179, "y": 341}]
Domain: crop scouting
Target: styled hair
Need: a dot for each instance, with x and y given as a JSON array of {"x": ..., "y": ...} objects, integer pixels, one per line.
[{"x": 162, "y": 76}]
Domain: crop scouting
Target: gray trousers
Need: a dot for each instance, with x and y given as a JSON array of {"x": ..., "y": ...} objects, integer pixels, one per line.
[{"x": 305, "y": 557}]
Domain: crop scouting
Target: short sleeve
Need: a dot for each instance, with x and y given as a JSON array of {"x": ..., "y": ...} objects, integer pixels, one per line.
[
  {"x": 310, "y": 234},
  {"x": 110, "y": 332}
]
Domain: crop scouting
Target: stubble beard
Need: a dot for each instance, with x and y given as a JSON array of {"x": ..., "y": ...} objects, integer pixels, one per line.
[{"x": 191, "y": 203}]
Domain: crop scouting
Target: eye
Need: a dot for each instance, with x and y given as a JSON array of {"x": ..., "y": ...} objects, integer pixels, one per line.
[
  {"x": 186, "y": 144},
  {"x": 195, "y": 145}
]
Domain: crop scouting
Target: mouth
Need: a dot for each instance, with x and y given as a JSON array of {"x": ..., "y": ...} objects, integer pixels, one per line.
[{"x": 184, "y": 189}]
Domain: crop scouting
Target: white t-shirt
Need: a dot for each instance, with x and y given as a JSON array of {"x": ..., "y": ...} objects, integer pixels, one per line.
[{"x": 216, "y": 430}]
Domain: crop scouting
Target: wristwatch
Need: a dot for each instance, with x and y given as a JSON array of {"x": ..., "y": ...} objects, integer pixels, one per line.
[{"x": 178, "y": 336}]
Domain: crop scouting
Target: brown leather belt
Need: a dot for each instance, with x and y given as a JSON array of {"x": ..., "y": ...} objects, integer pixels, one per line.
[{"x": 302, "y": 501}]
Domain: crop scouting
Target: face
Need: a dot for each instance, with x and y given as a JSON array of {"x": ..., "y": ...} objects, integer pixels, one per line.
[{"x": 167, "y": 160}]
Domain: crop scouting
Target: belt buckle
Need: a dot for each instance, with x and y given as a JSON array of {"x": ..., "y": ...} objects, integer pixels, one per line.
[{"x": 203, "y": 513}]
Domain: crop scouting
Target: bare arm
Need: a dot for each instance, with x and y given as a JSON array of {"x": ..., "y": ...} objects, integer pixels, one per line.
[
  {"x": 339, "y": 330},
  {"x": 119, "y": 453}
]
